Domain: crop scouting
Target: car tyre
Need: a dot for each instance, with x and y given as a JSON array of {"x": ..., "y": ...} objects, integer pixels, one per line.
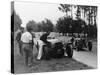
[
  {"x": 46, "y": 52},
  {"x": 69, "y": 51}
]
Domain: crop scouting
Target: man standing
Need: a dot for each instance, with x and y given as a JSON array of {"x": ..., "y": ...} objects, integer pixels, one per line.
[
  {"x": 18, "y": 38},
  {"x": 27, "y": 47}
]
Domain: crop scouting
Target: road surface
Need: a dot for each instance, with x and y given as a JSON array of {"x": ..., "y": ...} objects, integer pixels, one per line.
[{"x": 87, "y": 57}]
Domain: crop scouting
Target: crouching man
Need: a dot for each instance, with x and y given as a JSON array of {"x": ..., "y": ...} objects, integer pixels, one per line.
[{"x": 27, "y": 45}]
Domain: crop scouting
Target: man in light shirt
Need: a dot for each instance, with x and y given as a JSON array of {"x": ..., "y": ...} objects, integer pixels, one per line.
[
  {"x": 26, "y": 37},
  {"x": 27, "y": 47}
]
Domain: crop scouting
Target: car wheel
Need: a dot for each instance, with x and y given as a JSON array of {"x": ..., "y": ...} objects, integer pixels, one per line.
[
  {"x": 60, "y": 53},
  {"x": 69, "y": 51},
  {"x": 46, "y": 52}
]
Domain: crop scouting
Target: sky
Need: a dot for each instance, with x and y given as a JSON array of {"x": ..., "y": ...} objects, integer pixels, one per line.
[{"x": 37, "y": 11}]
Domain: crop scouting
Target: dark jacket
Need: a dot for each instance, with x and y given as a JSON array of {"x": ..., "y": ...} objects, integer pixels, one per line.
[
  {"x": 18, "y": 37},
  {"x": 44, "y": 37}
]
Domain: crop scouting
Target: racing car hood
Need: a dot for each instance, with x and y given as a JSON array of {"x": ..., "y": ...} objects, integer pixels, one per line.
[{"x": 53, "y": 41}]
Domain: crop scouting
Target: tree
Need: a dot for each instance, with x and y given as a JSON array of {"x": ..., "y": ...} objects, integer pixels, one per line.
[
  {"x": 15, "y": 21},
  {"x": 46, "y": 25},
  {"x": 63, "y": 24},
  {"x": 79, "y": 26},
  {"x": 49, "y": 25},
  {"x": 78, "y": 14},
  {"x": 85, "y": 17},
  {"x": 66, "y": 8},
  {"x": 92, "y": 16},
  {"x": 39, "y": 25},
  {"x": 32, "y": 24}
]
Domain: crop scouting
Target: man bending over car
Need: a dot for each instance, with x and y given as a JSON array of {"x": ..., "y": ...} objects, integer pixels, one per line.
[{"x": 44, "y": 38}]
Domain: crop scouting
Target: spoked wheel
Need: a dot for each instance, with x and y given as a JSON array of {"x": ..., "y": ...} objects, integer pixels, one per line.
[{"x": 69, "y": 50}]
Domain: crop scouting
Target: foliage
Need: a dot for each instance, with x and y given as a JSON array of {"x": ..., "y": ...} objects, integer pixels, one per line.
[
  {"x": 85, "y": 22},
  {"x": 15, "y": 21},
  {"x": 68, "y": 25},
  {"x": 32, "y": 25},
  {"x": 45, "y": 25},
  {"x": 63, "y": 24}
]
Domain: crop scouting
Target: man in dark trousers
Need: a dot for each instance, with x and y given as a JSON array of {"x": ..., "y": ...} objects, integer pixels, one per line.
[
  {"x": 18, "y": 38},
  {"x": 27, "y": 45},
  {"x": 46, "y": 51}
]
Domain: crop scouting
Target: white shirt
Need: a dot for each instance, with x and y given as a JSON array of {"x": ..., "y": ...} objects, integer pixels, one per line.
[{"x": 26, "y": 37}]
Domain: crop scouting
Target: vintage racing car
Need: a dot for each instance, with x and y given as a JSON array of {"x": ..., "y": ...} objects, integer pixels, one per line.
[
  {"x": 81, "y": 43},
  {"x": 57, "y": 49}
]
